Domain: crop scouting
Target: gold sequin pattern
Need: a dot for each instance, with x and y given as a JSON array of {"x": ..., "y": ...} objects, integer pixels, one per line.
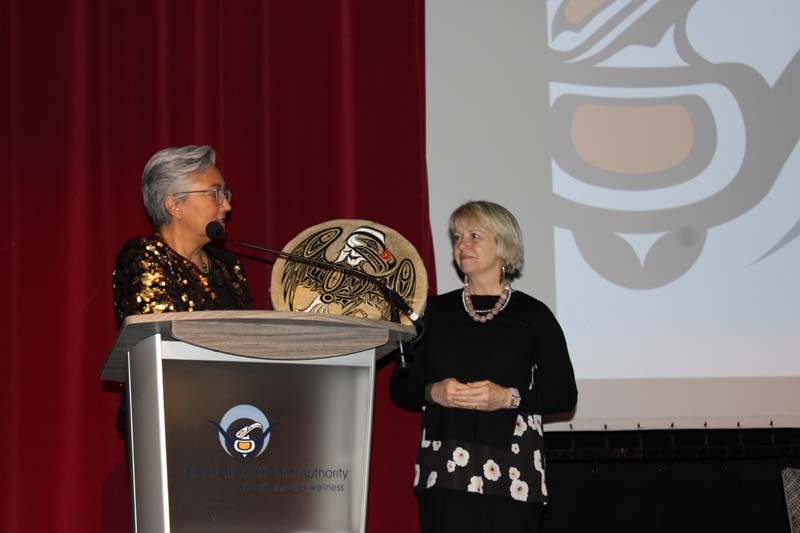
[{"x": 150, "y": 277}]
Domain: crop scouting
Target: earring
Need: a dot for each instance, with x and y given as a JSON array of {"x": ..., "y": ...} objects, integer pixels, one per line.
[{"x": 502, "y": 272}]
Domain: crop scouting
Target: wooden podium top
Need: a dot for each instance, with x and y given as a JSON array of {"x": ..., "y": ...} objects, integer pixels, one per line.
[{"x": 258, "y": 334}]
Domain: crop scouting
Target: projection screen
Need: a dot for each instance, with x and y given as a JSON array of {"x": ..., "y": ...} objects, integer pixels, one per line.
[{"x": 648, "y": 149}]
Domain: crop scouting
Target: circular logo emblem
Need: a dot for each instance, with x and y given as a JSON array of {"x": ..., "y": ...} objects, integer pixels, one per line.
[{"x": 243, "y": 430}]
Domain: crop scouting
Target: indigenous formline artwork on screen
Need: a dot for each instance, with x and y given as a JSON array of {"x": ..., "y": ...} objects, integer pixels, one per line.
[{"x": 661, "y": 133}]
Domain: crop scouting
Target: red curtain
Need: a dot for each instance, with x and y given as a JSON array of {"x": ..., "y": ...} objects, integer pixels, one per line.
[{"x": 316, "y": 111}]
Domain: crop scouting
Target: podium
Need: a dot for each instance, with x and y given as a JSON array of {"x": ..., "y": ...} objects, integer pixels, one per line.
[{"x": 244, "y": 421}]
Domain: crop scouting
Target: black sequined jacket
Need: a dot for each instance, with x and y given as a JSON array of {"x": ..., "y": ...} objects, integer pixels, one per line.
[{"x": 150, "y": 277}]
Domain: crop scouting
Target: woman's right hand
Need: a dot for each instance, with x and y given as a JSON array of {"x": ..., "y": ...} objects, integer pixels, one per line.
[
  {"x": 479, "y": 396},
  {"x": 449, "y": 393}
]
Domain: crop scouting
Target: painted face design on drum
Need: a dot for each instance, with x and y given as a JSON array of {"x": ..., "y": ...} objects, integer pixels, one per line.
[{"x": 378, "y": 252}]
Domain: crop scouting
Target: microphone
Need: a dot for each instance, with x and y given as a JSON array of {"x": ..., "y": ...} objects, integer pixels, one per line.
[
  {"x": 399, "y": 302},
  {"x": 216, "y": 231}
]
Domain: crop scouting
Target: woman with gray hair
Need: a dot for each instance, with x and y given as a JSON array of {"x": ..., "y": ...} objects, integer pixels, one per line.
[
  {"x": 491, "y": 363},
  {"x": 173, "y": 269}
]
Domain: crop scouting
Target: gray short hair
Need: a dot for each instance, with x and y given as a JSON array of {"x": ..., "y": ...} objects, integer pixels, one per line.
[
  {"x": 170, "y": 171},
  {"x": 503, "y": 227}
]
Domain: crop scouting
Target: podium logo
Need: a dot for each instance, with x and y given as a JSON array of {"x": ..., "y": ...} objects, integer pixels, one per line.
[{"x": 244, "y": 430}]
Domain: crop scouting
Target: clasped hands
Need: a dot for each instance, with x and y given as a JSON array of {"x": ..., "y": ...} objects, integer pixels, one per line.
[{"x": 479, "y": 395}]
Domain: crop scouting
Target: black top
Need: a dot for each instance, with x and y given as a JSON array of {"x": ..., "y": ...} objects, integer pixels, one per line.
[
  {"x": 522, "y": 347},
  {"x": 150, "y": 277}
]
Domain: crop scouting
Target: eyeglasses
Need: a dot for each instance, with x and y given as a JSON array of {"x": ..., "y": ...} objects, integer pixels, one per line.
[{"x": 220, "y": 195}]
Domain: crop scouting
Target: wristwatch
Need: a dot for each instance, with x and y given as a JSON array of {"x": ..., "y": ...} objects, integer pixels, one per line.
[
  {"x": 428, "y": 395},
  {"x": 515, "y": 398}
]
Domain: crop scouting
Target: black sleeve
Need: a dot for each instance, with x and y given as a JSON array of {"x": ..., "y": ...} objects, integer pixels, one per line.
[
  {"x": 138, "y": 282},
  {"x": 407, "y": 386},
  {"x": 553, "y": 388}
]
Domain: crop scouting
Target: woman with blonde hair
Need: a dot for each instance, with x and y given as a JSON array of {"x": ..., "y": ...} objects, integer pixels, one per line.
[{"x": 491, "y": 363}]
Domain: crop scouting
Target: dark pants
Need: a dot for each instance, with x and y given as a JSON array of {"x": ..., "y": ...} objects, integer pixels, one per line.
[{"x": 450, "y": 511}]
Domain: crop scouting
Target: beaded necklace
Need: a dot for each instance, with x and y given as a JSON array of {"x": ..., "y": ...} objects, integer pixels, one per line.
[{"x": 485, "y": 315}]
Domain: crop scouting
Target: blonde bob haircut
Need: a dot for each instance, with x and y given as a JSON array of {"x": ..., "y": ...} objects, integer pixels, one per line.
[{"x": 501, "y": 224}]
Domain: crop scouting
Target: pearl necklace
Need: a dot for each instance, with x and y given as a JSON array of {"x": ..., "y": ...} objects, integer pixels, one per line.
[{"x": 485, "y": 315}]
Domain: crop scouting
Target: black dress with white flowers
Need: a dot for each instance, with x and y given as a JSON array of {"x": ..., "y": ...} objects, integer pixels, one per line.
[{"x": 499, "y": 453}]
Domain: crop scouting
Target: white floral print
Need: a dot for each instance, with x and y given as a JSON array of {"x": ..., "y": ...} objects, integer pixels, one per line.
[
  {"x": 475, "y": 484},
  {"x": 519, "y": 490},
  {"x": 544, "y": 486},
  {"x": 537, "y": 461},
  {"x": 516, "y": 469},
  {"x": 461, "y": 456},
  {"x": 521, "y": 426},
  {"x": 491, "y": 470},
  {"x": 537, "y": 464},
  {"x": 431, "y": 480},
  {"x": 535, "y": 422}
]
